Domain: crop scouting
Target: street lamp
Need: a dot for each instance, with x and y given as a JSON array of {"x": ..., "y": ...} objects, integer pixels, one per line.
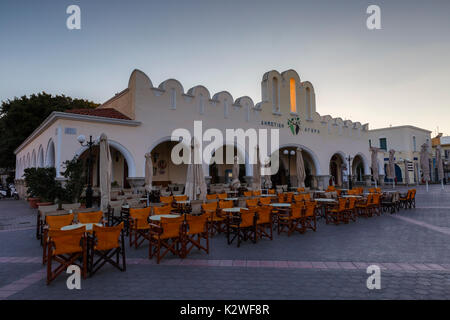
[
  {"x": 82, "y": 140},
  {"x": 350, "y": 182},
  {"x": 289, "y": 154}
]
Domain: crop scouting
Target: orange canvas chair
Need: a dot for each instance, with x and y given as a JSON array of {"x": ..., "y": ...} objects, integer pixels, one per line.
[
  {"x": 290, "y": 222},
  {"x": 271, "y": 191},
  {"x": 248, "y": 193},
  {"x": 65, "y": 248},
  {"x": 308, "y": 219},
  {"x": 242, "y": 227},
  {"x": 53, "y": 223},
  {"x": 364, "y": 208},
  {"x": 181, "y": 198},
  {"x": 197, "y": 230},
  {"x": 162, "y": 210},
  {"x": 211, "y": 196},
  {"x": 301, "y": 189},
  {"x": 251, "y": 203},
  {"x": 108, "y": 244},
  {"x": 299, "y": 198},
  {"x": 165, "y": 238},
  {"x": 90, "y": 217},
  {"x": 265, "y": 201},
  {"x": 168, "y": 200},
  {"x": 215, "y": 220},
  {"x": 336, "y": 215},
  {"x": 256, "y": 193},
  {"x": 139, "y": 226},
  {"x": 264, "y": 223},
  {"x": 222, "y": 196}
]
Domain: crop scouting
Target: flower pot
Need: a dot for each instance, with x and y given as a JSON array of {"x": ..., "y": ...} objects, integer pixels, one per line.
[{"x": 33, "y": 202}]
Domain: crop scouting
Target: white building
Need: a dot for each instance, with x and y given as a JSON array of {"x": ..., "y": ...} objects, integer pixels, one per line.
[{"x": 142, "y": 117}]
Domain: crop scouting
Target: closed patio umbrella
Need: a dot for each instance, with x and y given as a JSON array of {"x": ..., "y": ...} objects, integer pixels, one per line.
[
  {"x": 440, "y": 166},
  {"x": 105, "y": 173},
  {"x": 235, "y": 184},
  {"x": 391, "y": 166},
  {"x": 148, "y": 174},
  {"x": 425, "y": 163},
  {"x": 374, "y": 165},
  {"x": 416, "y": 172},
  {"x": 195, "y": 188},
  {"x": 406, "y": 172},
  {"x": 267, "y": 179},
  {"x": 300, "y": 168},
  {"x": 256, "y": 172}
]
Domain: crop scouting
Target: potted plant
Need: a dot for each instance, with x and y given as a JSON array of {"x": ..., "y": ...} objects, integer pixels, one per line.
[{"x": 41, "y": 185}]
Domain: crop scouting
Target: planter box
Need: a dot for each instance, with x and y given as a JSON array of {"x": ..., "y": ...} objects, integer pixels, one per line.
[{"x": 33, "y": 202}]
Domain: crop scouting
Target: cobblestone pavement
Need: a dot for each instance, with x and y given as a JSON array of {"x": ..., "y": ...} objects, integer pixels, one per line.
[{"x": 411, "y": 248}]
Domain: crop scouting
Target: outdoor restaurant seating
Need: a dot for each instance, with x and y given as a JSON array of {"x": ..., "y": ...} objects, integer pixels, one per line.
[
  {"x": 375, "y": 205},
  {"x": 290, "y": 221},
  {"x": 264, "y": 224},
  {"x": 90, "y": 217},
  {"x": 337, "y": 214},
  {"x": 108, "y": 245},
  {"x": 165, "y": 237},
  {"x": 53, "y": 223},
  {"x": 350, "y": 211},
  {"x": 215, "y": 220},
  {"x": 196, "y": 232},
  {"x": 167, "y": 200},
  {"x": 408, "y": 200},
  {"x": 139, "y": 226},
  {"x": 252, "y": 203},
  {"x": 65, "y": 248},
  {"x": 242, "y": 226},
  {"x": 162, "y": 210},
  {"x": 308, "y": 219},
  {"x": 364, "y": 207},
  {"x": 265, "y": 201}
]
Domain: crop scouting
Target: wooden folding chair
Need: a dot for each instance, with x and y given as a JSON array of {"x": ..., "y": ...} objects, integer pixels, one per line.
[
  {"x": 242, "y": 226},
  {"x": 248, "y": 194},
  {"x": 215, "y": 220},
  {"x": 301, "y": 189},
  {"x": 166, "y": 236},
  {"x": 211, "y": 196},
  {"x": 363, "y": 208},
  {"x": 350, "y": 211},
  {"x": 291, "y": 221},
  {"x": 168, "y": 200},
  {"x": 264, "y": 223},
  {"x": 308, "y": 219},
  {"x": 375, "y": 205},
  {"x": 163, "y": 210},
  {"x": 251, "y": 203},
  {"x": 256, "y": 193},
  {"x": 90, "y": 217},
  {"x": 336, "y": 214},
  {"x": 65, "y": 248},
  {"x": 271, "y": 191},
  {"x": 107, "y": 243},
  {"x": 181, "y": 198},
  {"x": 222, "y": 196},
  {"x": 53, "y": 223},
  {"x": 196, "y": 231},
  {"x": 265, "y": 201},
  {"x": 139, "y": 226}
]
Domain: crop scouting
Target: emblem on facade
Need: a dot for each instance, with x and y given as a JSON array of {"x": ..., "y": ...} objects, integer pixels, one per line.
[{"x": 294, "y": 125}]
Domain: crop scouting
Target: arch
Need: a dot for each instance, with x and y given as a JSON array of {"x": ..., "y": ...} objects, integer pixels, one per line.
[
  {"x": 338, "y": 168},
  {"x": 124, "y": 151},
  {"x": 50, "y": 154},
  {"x": 28, "y": 164},
  {"x": 33, "y": 159},
  {"x": 311, "y": 154},
  {"x": 40, "y": 157}
]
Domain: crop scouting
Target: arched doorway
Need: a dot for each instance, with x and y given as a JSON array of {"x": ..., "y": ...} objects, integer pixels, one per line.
[
  {"x": 358, "y": 169},
  {"x": 288, "y": 162},
  {"x": 165, "y": 172},
  {"x": 222, "y": 172},
  {"x": 337, "y": 166},
  {"x": 398, "y": 173},
  {"x": 119, "y": 169},
  {"x": 50, "y": 155}
]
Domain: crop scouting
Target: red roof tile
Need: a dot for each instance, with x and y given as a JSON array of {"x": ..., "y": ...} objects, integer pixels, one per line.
[{"x": 103, "y": 112}]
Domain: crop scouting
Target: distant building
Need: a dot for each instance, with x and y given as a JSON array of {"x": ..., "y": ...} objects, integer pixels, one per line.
[
  {"x": 445, "y": 153},
  {"x": 406, "y": 141}
]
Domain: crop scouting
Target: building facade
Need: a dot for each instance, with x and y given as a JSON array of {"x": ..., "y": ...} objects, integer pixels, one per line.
[
  {"x": 142, "y": 119},
  {"x": 406, "y": 141}
]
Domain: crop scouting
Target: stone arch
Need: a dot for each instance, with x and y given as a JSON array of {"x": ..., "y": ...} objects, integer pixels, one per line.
[
  {"x": 338, "y": 167},
  {"x": 40, "y": 157},
  {"x": 50, "y": 154},
  {"x": 33, "y": 159}
]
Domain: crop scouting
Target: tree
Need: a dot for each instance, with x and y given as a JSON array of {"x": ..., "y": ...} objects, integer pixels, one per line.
[{"x": 21, "y": 116}]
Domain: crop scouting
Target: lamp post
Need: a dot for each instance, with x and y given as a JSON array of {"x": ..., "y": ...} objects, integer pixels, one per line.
[
  {"x": 289, "y": 154},
  {"x": 350, "y": 182},
  {"x": 82, "y": 140}
]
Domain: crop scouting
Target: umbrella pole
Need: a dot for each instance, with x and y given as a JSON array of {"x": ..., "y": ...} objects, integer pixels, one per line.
[
  {"x": 442, "y": 184},
  {"x": 148, "y": 198},
  {"x": 427, "y": 184}
]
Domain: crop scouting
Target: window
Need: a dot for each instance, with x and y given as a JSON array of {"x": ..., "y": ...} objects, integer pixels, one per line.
[
  {"x": 275, "y": 105},
  {"x": 370, "y": 143},
  {"x": 293, "y": 96},
  {"x": 383, "y": 144},
  {"x": 414, "y": 144}
]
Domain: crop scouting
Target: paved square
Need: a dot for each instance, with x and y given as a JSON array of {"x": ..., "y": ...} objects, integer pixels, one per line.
[{"x": 411, "y": 248}]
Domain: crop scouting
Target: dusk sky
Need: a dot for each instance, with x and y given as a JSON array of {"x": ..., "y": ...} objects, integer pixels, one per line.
[{"x": 395, "y": 76}]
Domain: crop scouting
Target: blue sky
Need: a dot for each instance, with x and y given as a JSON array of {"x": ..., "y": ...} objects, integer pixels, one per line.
[{"x": 394, "y": 76}]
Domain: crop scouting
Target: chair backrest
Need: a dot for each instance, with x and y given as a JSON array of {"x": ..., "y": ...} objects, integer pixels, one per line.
[
  {"x": 247, "y": 218},
  {"x": 265, "y": 201},
  {"x": 247, "y": 193},
  {"x": 67, "y": 241},
  {"x": 251, "y": 202},
  {"x": 413, "y": 193},
  {"x": 57, "y": 222},
  {"x": 296, "y": 212},
  {"x": 222, "y": 196},
  {"x": 310, "y": 207},
  {"x": 197, "y": 224},
  {"x": 167, "y": 199},
  {"x": 171, "y": 227},
  {"x": 211, "y": 196},
  {"x": 162, "y": 210},
  {"x": 264, "y": 214},
  {"x": 376, "y": 198},
  {"x": 90, "y": 217},
  {"x": 330, "y": 188},
  {"x": 378, "y": 190},
  {"x": 307, "y": 196},
  {"x": 289, "y": 196},
  {"x": 256, "y": 193},
  {"x": 181, "y": 198},
  {"x": 301, "y": 189},
  {"x": 281, "y": 198},
  {"x": 370, "y": 198},
  {"x": 351, "y": 203},
  {"x": 271, "y": 191},
  {"x": 209, "y": 207},
  {"x": 140, "y": 215},
  {"x": 225, "y": 204},
  {"x": 299, "y": 198},
  {"x": 107, "y": 237},
  {"x": 342, "y": 204}
]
